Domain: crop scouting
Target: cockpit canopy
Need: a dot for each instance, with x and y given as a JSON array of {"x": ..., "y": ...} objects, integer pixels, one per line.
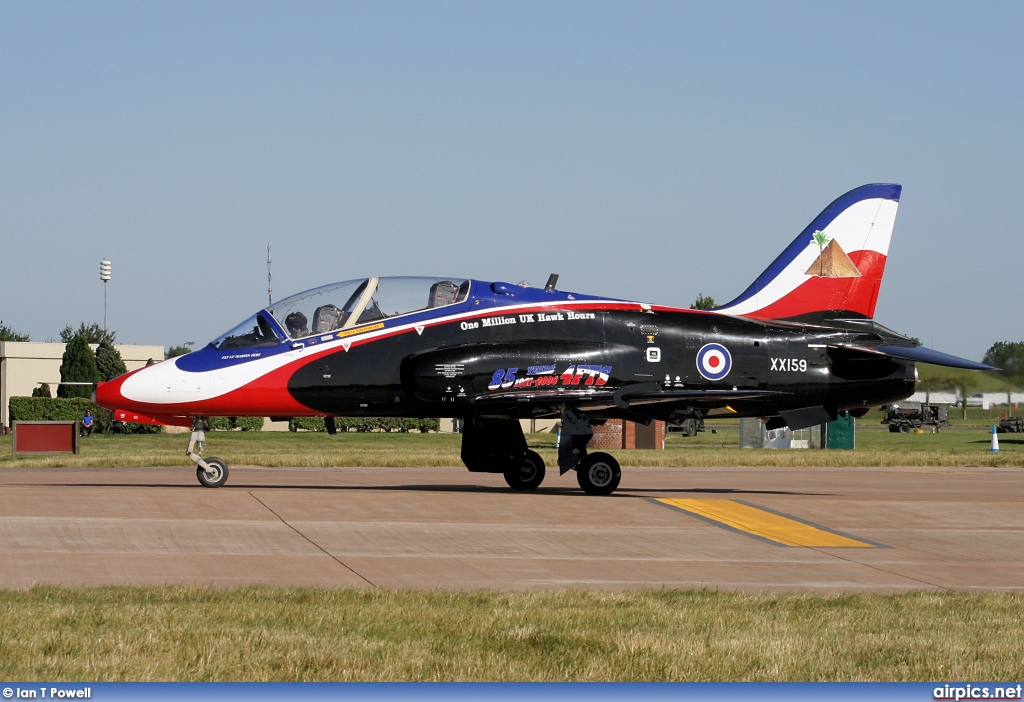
[{"x": 343, "y": 306}]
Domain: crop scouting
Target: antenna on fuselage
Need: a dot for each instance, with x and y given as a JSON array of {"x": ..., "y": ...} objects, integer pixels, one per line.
[
  {"x": 552, "y": 279},
  {"x": 270, "y": 289}
]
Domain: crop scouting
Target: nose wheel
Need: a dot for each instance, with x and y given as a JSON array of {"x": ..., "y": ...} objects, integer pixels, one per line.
[
  {"x": 214, "y": 475},
  {"x": 212, "y": 472}
]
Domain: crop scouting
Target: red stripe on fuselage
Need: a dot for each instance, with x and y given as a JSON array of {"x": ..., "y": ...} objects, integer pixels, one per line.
[{"x": 268, "y": 395}]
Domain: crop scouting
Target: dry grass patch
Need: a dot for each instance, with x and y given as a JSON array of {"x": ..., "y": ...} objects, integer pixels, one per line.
[{"x": 184, "y": 633}]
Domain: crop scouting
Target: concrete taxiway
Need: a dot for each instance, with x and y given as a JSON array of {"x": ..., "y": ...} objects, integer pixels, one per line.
[{"x": 747, "y": 529}]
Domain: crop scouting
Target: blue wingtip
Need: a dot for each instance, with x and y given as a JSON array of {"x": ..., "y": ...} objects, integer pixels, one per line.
[{"x": 923, "y": 355}]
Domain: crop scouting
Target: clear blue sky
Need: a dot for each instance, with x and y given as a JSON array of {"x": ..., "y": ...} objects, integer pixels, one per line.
[{"x": 647, "y": 150}]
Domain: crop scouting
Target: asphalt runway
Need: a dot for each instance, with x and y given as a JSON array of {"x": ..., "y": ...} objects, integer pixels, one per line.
[{"x": 823, "y": 530}]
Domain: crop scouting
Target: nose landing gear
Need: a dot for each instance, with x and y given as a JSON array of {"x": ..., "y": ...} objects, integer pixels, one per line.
[{"x": 211, "y": 472}]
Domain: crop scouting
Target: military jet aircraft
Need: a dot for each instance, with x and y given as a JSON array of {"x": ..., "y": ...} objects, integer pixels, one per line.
[{"x": 797, "y": 347}]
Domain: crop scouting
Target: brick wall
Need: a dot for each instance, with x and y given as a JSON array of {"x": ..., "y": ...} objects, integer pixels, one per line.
[
  {"x": 619, "y": 434},
  {"x": 607, "y": 436}
]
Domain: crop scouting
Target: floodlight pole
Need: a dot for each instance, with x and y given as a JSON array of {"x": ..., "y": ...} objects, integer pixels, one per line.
[{"x": 105, "y": 277}]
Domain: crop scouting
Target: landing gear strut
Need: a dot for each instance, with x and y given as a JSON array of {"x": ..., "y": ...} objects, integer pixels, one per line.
[{"x": 212, "y": 472}]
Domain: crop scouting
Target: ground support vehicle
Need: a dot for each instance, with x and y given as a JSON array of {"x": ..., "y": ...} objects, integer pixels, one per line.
[
  {"x": 688, "y": 427},
  {"x": 907, "y": 416},
  {"x": 1011, "y": 425}
]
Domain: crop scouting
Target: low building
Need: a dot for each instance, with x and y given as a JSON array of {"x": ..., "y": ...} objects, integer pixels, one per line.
[
  {"x": 25, "y": 364},
  {"x": 622, "y": 434}
]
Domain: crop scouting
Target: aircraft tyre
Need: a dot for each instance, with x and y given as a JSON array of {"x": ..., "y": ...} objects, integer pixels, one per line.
[
  {"x": 598, "y": 474},
  {"x": 217, "y": 476},
  {"x": 904, "y": 428},
  {"x": 529, "y": 475}
]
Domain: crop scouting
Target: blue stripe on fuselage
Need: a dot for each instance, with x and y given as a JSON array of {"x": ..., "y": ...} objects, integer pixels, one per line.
[{"x": 483, "y": 295}]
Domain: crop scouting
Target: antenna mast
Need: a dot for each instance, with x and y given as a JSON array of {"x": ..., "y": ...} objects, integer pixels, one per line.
[{"x": 270, "y": 289}]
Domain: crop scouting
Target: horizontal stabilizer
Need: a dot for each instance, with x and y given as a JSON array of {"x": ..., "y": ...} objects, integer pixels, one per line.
[{"x": 923, "y": 355}]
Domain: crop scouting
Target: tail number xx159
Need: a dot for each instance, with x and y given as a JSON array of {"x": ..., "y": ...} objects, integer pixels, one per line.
[{"x": 795, "y": 365}]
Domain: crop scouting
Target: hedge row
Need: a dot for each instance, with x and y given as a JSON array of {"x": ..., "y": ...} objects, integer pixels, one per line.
[
  {"x": 229, "y": 423},
  {"x": 51, "y": 409},
  {"x": 57, "y": 409},
  {"x": 365, "y": 424}
]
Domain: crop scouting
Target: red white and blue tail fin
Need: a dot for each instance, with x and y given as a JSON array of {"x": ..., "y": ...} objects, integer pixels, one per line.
[{"x": 833, "y": 270}]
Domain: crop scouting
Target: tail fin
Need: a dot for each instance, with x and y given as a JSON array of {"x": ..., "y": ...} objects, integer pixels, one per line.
[{"x": 834, "y": 268}]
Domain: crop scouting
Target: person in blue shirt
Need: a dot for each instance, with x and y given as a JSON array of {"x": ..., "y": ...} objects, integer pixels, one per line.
[{"x": 87, "y": 421}]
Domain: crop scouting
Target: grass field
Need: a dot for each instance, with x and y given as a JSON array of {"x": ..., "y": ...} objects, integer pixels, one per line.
[
  {"x": 875, "y": 447},
  {"x": 178, "y": 633}
]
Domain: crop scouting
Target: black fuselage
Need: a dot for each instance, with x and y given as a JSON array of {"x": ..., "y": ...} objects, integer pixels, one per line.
[{"x": 535, "y": 363}]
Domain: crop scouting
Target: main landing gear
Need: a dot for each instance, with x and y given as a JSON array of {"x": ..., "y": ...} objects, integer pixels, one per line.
[
  {"x": 597, "y": 473},
  {"x": 212, "y": 472},
  {"x": 497, "y": 445}
]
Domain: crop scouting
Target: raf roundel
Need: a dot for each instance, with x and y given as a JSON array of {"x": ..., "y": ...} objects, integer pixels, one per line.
[{"x": 714, "y": 361}]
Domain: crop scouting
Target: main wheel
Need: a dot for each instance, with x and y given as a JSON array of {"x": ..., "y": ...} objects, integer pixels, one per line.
[
  {"x": 217, "y": 476},
  {"x": 904, "y": 428},
  {"x": 527, "y": 476},
  {"x": 690, "y": 427},
  {"x": 598, "y": 474}
]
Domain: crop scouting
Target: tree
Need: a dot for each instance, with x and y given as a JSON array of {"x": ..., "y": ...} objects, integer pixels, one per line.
[
  {"x": 703, "y": 303},
  {"x": 43, "y": 390},
  {"x": 9, "y": 334},
  {"x": 820, "y": 238},
  {"x": 93, "y": 333},
  {"x": 109, "y": 362},
  {"x": 78, "y": 366},
  {"x": 175, "y": 351},
  {"x": 1009, "y": 356}
]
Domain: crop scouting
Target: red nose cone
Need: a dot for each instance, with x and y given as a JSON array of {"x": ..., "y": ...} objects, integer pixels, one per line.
[{"x": 106, "y": 395}]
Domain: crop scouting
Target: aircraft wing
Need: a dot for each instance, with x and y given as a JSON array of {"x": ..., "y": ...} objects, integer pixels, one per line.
[
  {"x": 652, "y": 393},
  {"x": 624, "y": 397}
]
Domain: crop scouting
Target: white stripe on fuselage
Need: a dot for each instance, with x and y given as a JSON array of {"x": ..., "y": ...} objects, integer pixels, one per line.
[{"x": 166, "y": 384}]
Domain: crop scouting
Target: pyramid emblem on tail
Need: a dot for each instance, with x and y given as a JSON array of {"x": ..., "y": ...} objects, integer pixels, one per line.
[{"x": 833, "y": 262}]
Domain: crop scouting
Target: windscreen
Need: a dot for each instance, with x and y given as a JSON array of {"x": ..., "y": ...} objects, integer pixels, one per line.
[{"x": 253, "y": 332}]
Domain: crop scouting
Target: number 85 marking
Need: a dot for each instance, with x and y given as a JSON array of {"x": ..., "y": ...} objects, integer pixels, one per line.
[{"x": 503, "y": 380}]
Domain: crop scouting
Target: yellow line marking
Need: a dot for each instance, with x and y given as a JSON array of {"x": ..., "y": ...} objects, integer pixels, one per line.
[{"x": 767, "y": 525}]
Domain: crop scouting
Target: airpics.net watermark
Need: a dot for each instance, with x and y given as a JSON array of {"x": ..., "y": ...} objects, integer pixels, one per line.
[
  {"x": 977, "y": 692},
  {"x": 47, "y": 693}
]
